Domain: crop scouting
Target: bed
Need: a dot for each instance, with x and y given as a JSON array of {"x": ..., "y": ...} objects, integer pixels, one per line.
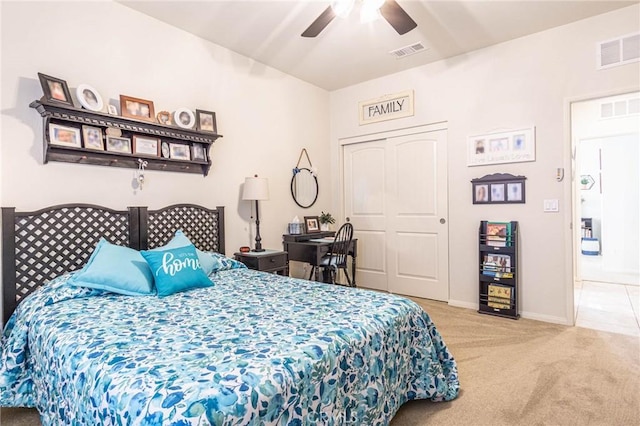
[{"x": 251, "y": 348}]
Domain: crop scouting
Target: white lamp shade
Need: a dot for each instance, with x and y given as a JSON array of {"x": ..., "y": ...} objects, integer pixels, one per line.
[{"x": 255, "y": 188}]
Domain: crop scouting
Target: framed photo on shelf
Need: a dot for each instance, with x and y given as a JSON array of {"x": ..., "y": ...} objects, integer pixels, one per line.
[
  {"x": 497, "y": 192},
  {"x": 118, "y": 144},
  {"x": 311, "y": 224},
  {"x": 55, "y": 89},
  {"x": 164, "y": 118},
  {"x": 498, "y": 188},
  {"x": 112, "y": 110},
  {"x": 64, "y": 136},
  {"x": 141, "y": 109},
  {"x": 480, "y": 194},
  {"x": 144, "y": 145},
  {"x": 198, "y": 152},
  {"x": 184, "y": 118},
  {"x": 92, "y": 138},
  {"x": 179, "y": 151},
  {"x": 89, "y": 98},
  {"x": 515, "y": 192},
  {"x": 206, "y": 121}
]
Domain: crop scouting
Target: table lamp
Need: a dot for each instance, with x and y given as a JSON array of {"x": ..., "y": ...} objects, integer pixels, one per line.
[{"x": 256, "y": 189}]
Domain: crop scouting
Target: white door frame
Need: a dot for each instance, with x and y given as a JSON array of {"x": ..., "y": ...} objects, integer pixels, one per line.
[
  {"x": 372, "y": 137},
  {"x": 571, "y": 253}
]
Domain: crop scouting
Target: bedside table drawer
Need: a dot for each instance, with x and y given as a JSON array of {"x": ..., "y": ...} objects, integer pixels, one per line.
[{"x": 270, "y": 261}]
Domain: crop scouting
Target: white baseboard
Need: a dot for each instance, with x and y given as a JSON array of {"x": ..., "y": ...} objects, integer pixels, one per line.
[{"x": 527, "y": 315}]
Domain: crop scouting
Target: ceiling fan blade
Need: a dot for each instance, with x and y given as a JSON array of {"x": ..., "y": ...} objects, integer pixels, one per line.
[
  {"x": 397, "y": 17},
  {"x": 320, "y": 23}
]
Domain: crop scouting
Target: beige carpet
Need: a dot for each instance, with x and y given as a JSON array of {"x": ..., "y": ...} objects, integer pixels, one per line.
[{"x": 517, "y": 373}]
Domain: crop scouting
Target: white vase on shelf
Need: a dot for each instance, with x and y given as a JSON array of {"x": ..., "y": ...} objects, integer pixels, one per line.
[{"x": 324, "y": 226}]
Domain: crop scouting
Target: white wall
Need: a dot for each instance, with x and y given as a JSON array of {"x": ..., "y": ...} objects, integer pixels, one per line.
[
  {"x": 266, "y": 116},
  {"x": 524, "y": 82}
]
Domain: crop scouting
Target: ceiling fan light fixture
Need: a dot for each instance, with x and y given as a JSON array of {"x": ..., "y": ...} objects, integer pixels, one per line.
[
  {"x": 370, "y": 10},
  {"x": 342, "y": 8}
]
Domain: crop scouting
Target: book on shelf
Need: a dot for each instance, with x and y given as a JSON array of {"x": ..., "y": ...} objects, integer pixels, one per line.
[
  {"x": 498, "y": 234},
  {"x": 499, "y": 302},
  {"x": 497, "y": 265},
  {"x": 502, "y": 292}
]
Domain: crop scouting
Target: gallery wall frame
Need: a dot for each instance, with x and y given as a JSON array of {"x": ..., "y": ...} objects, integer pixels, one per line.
[
  {"x": 499, "y": 188},
  {"x": 513, "y": 146}
]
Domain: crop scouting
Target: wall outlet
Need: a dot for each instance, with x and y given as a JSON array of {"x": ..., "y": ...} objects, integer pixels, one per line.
[{"x": 551, "y": 206}]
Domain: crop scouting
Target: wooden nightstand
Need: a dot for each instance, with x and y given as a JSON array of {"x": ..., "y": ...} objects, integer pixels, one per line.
[{"x": 266, "y": 261}]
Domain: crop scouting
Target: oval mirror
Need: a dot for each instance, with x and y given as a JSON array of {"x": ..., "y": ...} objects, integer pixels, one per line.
[{"x": 304, "y": 188}]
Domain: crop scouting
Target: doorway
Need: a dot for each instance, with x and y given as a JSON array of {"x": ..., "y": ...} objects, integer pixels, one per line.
[
  {"x": 606, "y": 187},
  {"x": 395, "y": 194}
]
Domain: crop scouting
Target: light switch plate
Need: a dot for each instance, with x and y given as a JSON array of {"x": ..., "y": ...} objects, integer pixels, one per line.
[{"x": 551, "y": 206}]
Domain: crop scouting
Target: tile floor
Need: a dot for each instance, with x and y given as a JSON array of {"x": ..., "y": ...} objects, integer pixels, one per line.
[{"x": 607, "y": 306}]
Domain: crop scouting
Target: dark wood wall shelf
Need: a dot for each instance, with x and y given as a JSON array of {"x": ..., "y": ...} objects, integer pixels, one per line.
[{"x": 76, "y": 117}]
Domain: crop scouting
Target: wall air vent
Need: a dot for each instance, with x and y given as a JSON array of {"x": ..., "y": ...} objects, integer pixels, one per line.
[
  {"x": 412, "y": 49},
  {"x": 619, "y": 51},
  {"x": 619, "y": 109}
]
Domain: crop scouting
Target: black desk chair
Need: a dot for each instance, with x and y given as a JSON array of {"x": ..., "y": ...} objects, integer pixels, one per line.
[{"x": 337, "y": 258}]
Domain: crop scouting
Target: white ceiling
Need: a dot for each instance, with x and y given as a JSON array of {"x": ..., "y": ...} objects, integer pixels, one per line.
[{"x": 348, "y": 52}]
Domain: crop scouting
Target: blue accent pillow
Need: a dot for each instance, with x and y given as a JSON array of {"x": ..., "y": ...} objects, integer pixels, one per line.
[
  {"x": 176, "y": 269},
  {"x": 116, "y": 269},
  {"x": 207, "y": 262}
]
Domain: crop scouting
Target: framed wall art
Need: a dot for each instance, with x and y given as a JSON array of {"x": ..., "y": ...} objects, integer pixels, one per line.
[
  {"x": 92, "y": 138},
  {"x": 206, "y": 121},
  {"x": 117, "y": 144},
  {"x": 144, "y": 145},
  {"x": 184, "y": 118},
  {"x": 164, "y": 118},
  {"x": 503, "y": 147},
  {"x": 198, "y": 153},
  {"x": 64, "y": 136},
  {"x": 141, "y": 109},
  {"x": 499, "y": 188},
  {"x": 89, "y": 98},
  {"x": 55, "y": 89},
  {"x": 178, "y": 151}
]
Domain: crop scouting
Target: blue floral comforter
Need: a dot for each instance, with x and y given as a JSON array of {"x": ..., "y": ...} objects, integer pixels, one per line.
[{"x": 255, "y": 349}]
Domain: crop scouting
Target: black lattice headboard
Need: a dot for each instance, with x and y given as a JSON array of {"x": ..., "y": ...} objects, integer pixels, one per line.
[
  {"x": 204, "y": 227},
  {"x": 41, "y": 245}
]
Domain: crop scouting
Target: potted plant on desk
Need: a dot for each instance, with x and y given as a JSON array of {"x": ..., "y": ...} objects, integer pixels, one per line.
[{"x": 325, "y": 220}]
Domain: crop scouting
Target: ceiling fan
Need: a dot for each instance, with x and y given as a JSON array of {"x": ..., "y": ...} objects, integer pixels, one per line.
[{"x": 389, "y": 9}]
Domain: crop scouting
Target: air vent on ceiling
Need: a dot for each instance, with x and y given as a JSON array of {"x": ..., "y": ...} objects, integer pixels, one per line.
[
  {"x": 619, "y": 51},
  {"x": 412, "y": 49}
]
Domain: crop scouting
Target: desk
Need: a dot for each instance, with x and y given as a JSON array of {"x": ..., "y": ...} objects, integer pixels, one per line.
[{"x": 303, "y": 250}]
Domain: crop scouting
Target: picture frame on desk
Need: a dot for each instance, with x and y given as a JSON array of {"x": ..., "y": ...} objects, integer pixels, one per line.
[{"x": 311, "y": 224}]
